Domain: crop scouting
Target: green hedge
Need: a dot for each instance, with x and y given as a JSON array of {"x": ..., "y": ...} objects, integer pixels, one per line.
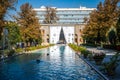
[
  {"x": 81, "y": 49},
  {"x": 77, "y": 48},
  {"x": 33, "y": 48}
]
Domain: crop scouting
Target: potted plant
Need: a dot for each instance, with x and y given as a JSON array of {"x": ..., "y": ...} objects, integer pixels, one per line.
[
  {"x": 118, "y": 47},
  {"x": 111, "y": 66},
  {"x": 98, "y": 57},
  {"x": 85, "y": 53},
  {"x": 90, "y": 56}
]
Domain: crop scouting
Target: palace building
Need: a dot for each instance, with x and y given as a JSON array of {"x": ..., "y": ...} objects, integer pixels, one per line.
[{"x": 67, "y": 29}]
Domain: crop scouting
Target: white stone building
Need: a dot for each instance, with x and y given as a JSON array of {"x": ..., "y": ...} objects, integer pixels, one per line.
[{"x": 71, "y": 21}]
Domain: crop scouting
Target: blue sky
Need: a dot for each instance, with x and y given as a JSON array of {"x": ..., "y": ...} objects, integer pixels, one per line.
[
  {"x": 60, "y": 3},
  {"x": 57, "y": 3}
]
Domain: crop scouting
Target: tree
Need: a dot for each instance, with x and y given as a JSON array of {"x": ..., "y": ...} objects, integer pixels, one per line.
[
  {"x": 118, "y": 28},
  {"x": 13, "y": 32},
  {"x": 102, "y": 19},
  {"x": 5, "y": 6},
  {"x": 112, "y": 36},
  {"x": 50, "y": 16},
  {"x": 93, "y": 27},
  {"x": 29, "y": 23}
]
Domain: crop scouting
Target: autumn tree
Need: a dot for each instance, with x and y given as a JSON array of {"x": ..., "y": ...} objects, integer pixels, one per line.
[
  {"x": 50, "y": 16},
  {"x": 29, "y": 24},
  {"x": 94, "y": 27},
  {"x": 5, "y": 6},
  {"x": 102, "y": 19}
]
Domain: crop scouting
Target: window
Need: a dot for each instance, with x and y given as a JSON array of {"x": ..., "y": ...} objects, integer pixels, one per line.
[
  {"x": 48, "y": 40},
  {"x": 75, "y": 34},
  {"x": 75, "y": 39},
  {"x": 65, "y": 15},
  {"x": 48, "y": 35},
  {"x": 69, "y": 34},
  {"x": 80, "y": 30},
  {"x": 80, "y": 40},
  {"x": 54, "y": 34},
  {"x": 43, "y": 31},
  {"x": 53, "y": 41}
]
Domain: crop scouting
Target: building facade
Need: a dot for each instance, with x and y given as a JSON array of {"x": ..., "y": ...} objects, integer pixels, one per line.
[{"x": 69, "y": 25}]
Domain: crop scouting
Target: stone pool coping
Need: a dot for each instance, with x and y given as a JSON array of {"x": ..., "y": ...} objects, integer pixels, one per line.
[
  {"x": 109, "y": 54},
  {"x": 21, "y": 53},
  {"x": 92, "y": 67}
]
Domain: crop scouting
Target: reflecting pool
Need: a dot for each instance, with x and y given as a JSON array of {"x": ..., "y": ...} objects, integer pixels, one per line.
[{"x": 55, "y": 63}]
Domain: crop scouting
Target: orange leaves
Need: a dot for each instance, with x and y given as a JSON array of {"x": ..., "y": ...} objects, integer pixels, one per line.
[
  {"x": 29, "y": 23},
  {"x": 103, "y": 18}
]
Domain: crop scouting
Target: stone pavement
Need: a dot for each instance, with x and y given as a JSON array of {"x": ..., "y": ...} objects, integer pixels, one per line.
[{"x": 109, "y": 54}]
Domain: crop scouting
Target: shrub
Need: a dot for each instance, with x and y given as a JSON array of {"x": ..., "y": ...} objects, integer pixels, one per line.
[
  {"x": 111, "y": 66},
  {"x": 11, "y": 53},
  {"x": 85, "y": 53},
  {"x": 100, "y": 55}
]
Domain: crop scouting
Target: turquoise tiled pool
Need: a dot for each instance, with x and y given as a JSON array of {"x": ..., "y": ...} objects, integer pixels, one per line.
[{"x": 61, "y": 64}]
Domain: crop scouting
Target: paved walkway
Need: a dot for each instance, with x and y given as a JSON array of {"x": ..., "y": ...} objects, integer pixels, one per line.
[{"x": 109, "y": 54}]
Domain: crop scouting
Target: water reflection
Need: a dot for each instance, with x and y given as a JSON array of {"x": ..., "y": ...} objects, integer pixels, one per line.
[{"x": 61, "y": 64}]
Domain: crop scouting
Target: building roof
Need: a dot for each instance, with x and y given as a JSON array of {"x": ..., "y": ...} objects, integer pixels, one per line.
[{"x": 42, "y": 8}]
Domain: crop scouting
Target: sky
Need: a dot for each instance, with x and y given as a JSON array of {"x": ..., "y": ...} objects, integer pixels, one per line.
[{"x": 60, "y": 3}]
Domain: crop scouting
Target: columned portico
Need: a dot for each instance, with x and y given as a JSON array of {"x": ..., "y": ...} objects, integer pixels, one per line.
[
  {"x": 68, "y": 32},
  {"x": 72, "y": 33}
]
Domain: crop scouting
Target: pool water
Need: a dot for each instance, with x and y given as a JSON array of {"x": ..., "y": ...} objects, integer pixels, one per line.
[{"x": 61, "y": 64}]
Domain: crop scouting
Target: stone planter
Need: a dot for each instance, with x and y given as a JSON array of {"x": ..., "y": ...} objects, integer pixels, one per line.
[
  {"x": 85, "y": 55},
  {"x": 98, "y": 57},
  {"x": 118, "y": 47},
  {"x": 98, "y": 61}
]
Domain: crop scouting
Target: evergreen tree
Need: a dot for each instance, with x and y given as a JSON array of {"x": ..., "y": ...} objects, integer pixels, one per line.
[
  {"x": 118, "y": 29},
  {"x": 112, "y": 36}
]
